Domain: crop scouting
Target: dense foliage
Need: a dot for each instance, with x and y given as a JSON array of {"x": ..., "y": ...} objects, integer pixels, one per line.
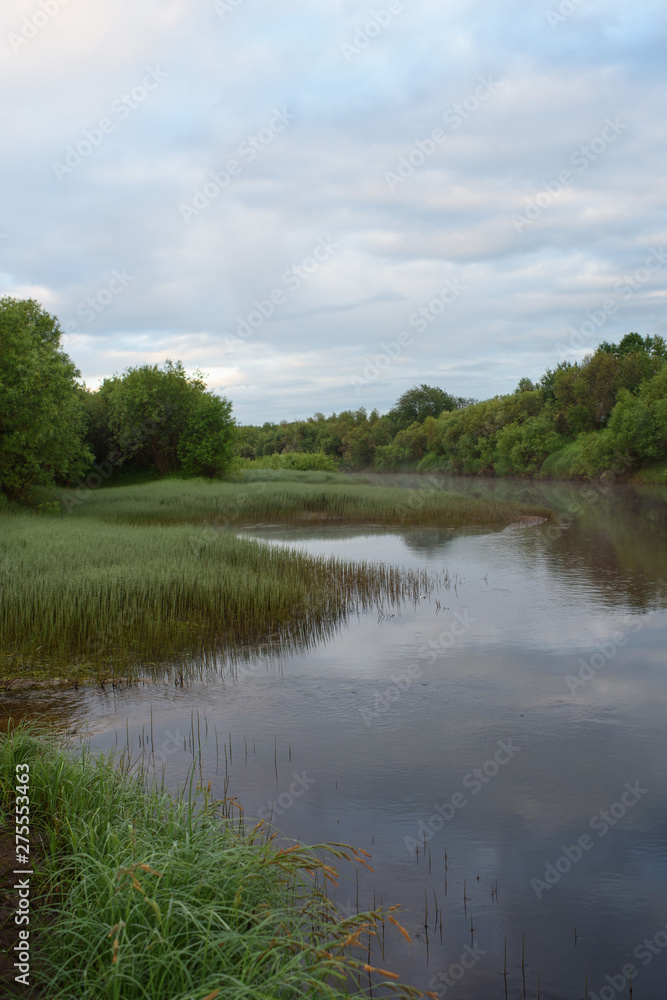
[
  {"x": 604, "y": 415},
  {"x": 42, "y": 417},
  {"x": 161, "y": 417},
  {"x": 52, "y": 428}
]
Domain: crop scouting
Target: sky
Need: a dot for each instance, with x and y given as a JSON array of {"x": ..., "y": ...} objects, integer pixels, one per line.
[{"x": 320, "y": 204}]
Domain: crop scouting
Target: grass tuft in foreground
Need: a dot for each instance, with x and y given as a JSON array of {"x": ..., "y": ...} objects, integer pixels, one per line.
[{"x": 138, "y": 896}]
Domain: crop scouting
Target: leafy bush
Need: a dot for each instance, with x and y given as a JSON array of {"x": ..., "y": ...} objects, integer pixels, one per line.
[{"x": 302, "y": 461}]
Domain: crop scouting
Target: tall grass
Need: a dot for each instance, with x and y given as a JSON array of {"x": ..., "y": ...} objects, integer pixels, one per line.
[
  {"x": 143, "y": 574},
  {"x": 347, "y": 502},
  {"x": 139, "y": 896},
  {"x": 81, "y": 594}
]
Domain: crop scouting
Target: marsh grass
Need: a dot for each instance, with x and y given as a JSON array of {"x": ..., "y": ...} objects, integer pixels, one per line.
[
  {"x": 145, "y": 575},
  {"x": 82, "y": 594},
  {"x": 294, "y": 501},
  {"x": 138, "y": 895}
]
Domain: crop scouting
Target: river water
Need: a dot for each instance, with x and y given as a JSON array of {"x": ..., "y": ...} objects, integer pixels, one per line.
[{"x": 499, "y": 749}]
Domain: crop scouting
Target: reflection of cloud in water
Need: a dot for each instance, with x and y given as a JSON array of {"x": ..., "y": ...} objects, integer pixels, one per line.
[{"x": 539, "y": 601}]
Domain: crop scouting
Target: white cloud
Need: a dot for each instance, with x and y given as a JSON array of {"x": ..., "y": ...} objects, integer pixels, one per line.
[{"x": 324, "y": 174}]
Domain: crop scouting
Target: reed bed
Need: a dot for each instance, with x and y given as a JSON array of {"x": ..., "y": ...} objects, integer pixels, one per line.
[
  {"x": 138, "y": 895},
  {"x": 295, "y": 501},
  {"x": 106, "y": 580},
  {"x": 82, "y": 595}
]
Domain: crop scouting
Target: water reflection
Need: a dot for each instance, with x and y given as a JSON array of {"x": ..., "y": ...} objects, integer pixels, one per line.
[{"x": 548, "y": 648}]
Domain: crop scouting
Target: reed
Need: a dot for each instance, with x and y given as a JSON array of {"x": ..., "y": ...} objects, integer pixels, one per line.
[
  {"x": 144, "y": 575},
  {"x": 138, "y": 895},
  {"x": 292, "y": 501},
  {"x": 82, "y": 595}
]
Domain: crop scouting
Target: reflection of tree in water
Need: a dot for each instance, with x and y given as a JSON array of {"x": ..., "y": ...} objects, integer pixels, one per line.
[
  {"x": 428, "y": 543},
  {"x": 613, "y": 536},
  {"x": 615, "y": 540}
]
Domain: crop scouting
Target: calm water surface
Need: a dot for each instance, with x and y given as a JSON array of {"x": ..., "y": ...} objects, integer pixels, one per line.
[{"x": 509, "y": 734}]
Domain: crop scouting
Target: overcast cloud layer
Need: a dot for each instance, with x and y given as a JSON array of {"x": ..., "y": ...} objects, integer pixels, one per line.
[{"x": 322, "y": 203}]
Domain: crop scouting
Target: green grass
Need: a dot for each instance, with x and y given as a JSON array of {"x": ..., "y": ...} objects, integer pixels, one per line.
[
  {"x": 143, "y": 575},
  {"x": 656, "y": 473},
  {"x": 140, "y": 896},
  {"x": 81, "y": 595},
  {"x": 295, "y": 501},
  {"x": 252, "y": 474}
]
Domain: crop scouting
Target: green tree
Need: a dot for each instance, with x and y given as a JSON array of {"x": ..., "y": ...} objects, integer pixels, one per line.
[
  {"x": 420, "y": 402},
  {"x": 42, "y": 415},
  {"x": 633, "y": 343},
  {"x": 638, "y": 424},
  {"x": 159, "y": 416},
  {"x": 205, "y": 446}
]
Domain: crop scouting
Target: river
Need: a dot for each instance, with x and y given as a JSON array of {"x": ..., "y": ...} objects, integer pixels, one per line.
[{"x": 508, "y": 734}]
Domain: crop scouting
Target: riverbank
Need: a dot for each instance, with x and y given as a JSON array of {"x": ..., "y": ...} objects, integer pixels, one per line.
[
  {"x": 139, "y": 895},
  {"x": 141, "y": 578}
]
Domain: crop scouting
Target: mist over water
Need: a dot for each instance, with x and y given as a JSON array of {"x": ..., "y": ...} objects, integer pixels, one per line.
[{"x": 508, "y": 730}]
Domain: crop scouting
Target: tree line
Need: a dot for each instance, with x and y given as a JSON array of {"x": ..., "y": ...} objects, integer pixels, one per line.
[{"x": 604, "y": 415}]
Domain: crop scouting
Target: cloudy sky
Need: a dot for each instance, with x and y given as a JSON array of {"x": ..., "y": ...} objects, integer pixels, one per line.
[{"x": 322, "y": 203}]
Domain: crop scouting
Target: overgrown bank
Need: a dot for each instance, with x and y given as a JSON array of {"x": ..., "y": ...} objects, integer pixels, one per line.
[
  {"x": 138, "y": 896},
  {"x": 605, "y": 416},
  {"x": 143, "y": 576}
]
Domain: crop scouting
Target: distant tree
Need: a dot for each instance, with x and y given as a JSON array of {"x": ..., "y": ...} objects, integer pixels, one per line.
[
  {"x": 525, "y": 385},
  {"x": 163, "y": 417},
  {"x": 420, "y": 402},
  {"x": 42, "y": 415},
  {"x": 633, "y": 343}
]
